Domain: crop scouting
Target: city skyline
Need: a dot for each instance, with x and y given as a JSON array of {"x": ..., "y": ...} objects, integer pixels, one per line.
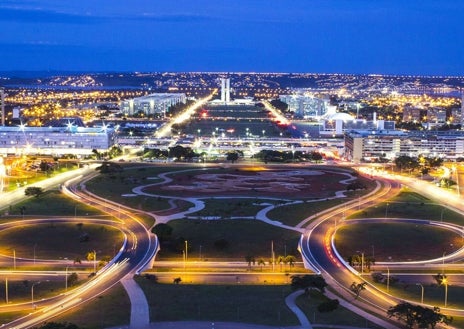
[{"x": 359, "y": 37}]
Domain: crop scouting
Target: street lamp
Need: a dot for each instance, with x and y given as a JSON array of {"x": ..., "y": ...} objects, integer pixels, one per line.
[
  {"x": 186, "y": 246},
  {"x": 445, "y": 282},
  {"x": 66, "y": 279},
  {"x": 388, "y": 279},
  {"x": 95, "y": 262},
  {"x": 32, "y": 293},
  {"x": 422, "y": 292},
  {"x": 386, "y": 210}
]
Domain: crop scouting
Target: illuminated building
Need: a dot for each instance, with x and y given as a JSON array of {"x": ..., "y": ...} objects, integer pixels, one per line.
[
  {"x": 225, "y": 91},
  {"x": 153, "y": 104},
  {"x": 367, "y": 145},
  {"x": 55, "y": 140},
  {"x": 306, "y": 107}
]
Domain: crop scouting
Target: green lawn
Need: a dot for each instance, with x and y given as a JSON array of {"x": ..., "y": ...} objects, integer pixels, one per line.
[
  {"x": 60, "y": 241},
  {"x": 295, "y": 213},
  {"x": 410, "y": 205},
  {"x": 230, "y": 207},
  {"x": 111, "y": 309},
  {"x": 244, "y": 237},
  {"x": 235, "y": 303},
  {"x": 41, "y": 206},
  {"x": 340, "y": 317},
  {"x": 396, "y": 241}
]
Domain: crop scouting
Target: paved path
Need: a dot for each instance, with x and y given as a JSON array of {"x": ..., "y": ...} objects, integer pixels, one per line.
[
  {"x": 290, "y": 301},
  {"x": 140, "y": 312},
  {"x": 139, "y": 307}
]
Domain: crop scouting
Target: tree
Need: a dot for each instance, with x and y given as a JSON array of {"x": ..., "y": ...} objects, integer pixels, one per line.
[
  {"x": 73, "y": 279},
  {"x": 357, "y": 288},
  {"x": 177, "y": 280},
  {"x": 418, "y": 315},
  {"x": 290, "y": 259},
  {"x": 232, "y": 156},
  {"x": 261, "y": 262},
  {"x": 34, "y": 191},
  {"x": 249, "y": 259},
  {"x": 440, "y": 278},
  {"x": 308, "y": 281},
  {"x": 91, "y": 256},
  {"x": 163, "y": 231},
  {"x": 280, "y": 260}
]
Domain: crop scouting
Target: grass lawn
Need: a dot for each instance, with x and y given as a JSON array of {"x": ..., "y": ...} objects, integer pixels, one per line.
[
  {"x": 396, "y": 241},
  {"x": 293, "y": 214},
  {"x": 340, "y": 317},
  {"x": 410, "y": 205},
  {"x": 243, "y": 237},
  {"x": 41, "y": 206},
  {"x": 110, "y": 309},
  {"x": 433, "y": 293},
  {"x": 19, "y": 291},
  {"x": 230, "y": 207},
  {"x": 59, "y": 241},
  {"x": 235, "y": 303}
]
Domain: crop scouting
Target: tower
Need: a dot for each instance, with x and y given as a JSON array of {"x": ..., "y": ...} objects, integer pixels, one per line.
[{"x": 225, "y": 90}]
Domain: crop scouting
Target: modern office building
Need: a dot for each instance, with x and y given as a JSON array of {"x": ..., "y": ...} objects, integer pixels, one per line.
[
  {"x": 367, "y": 145},
  {"x": 55, "y": 140},
  {"x": 153, "y": 104},
  {"x": 307, "y": 107},
  {"x": 225, "y": 91}
]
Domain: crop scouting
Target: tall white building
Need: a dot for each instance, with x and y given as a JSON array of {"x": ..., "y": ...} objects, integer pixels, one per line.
[{"x": 225, "y": 91}]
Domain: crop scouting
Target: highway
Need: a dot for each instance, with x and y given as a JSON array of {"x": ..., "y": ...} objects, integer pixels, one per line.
[
  {"x": 319, "y": 253},
  {"x": 136, "y": 254}
]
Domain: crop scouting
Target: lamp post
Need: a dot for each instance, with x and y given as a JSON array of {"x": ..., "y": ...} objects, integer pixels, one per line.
[
  {"x": 66, "y": 279},
  {"x": 388, "y": 279},
  {"x": 186, "y": 246},
  {"x": 32, "y": 293},
  {"x": 95, "y": 262},
  {"x": 386, "y": 210},
  {"x": 422, "y": 292},
  {"x": 445, "y": 282}
]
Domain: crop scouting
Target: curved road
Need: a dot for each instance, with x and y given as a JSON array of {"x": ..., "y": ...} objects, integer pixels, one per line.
[{"x": 137, "y": 254}]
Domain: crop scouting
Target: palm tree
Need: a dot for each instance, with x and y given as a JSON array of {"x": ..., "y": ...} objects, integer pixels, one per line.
[
  {"x": 280, "y": 260},
  {"x": 261, "y": 263},
  {"x": 290, "y": 259}
]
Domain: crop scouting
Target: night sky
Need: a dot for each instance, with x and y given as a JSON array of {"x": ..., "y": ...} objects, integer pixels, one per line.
[{"x": 417, "y": 37}]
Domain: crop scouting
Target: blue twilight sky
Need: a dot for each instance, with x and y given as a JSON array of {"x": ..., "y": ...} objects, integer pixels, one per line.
[{"x": 322, "y": 36}]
